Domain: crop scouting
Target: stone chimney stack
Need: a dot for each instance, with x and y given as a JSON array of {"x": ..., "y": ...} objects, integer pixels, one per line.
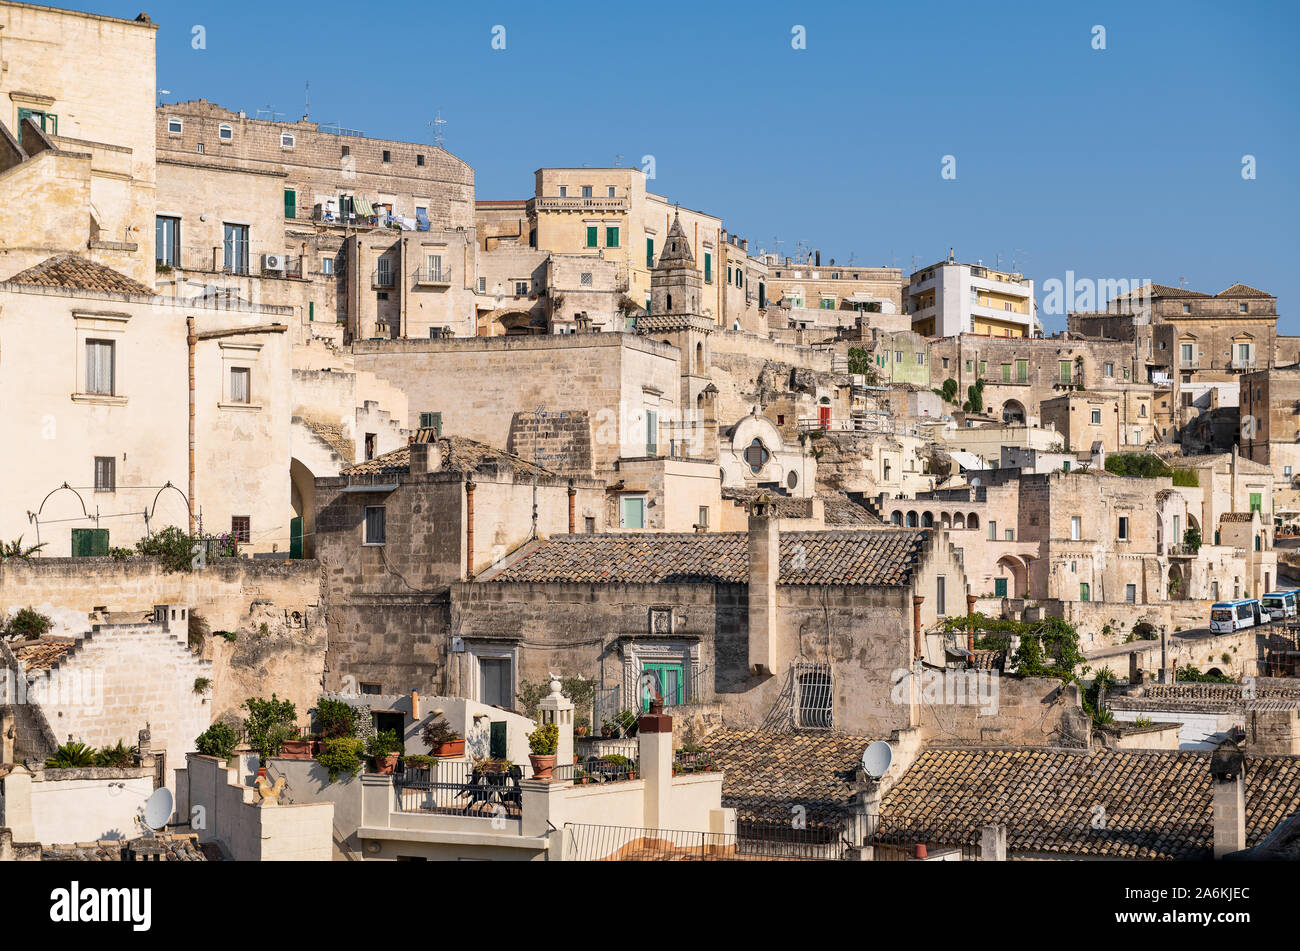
[
  {"x": 558, "y": 709},
  {"x": 764, "y": 566},
  {"x": 1228, "y": 774},
  {"x": 426, "y": 457}
]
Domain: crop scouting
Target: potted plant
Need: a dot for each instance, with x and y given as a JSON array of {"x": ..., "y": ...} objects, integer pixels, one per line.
[
  {"x": 383, "y": 749},
  {"x": 607, "y": 729},
  {"x": 270, "y": 723},
  {"x": 441, "y": 739},
  {"x": 581, "y": 728},
  {"x": 542, "y": 744},
  {"x": 342, "y": 755}
]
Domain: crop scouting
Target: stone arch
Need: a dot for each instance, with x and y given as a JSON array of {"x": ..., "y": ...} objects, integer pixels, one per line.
[
  {"x": 912, "y": 519},
  {"x": 927, "y": 520},
  {"x": 1016, "y": 571},
  {"x": 972, "y": 520},
  {"x": 945, "y": 520},
  {"x": 896, "y": 518},
  {"x": 959, "y": 520},
  {"x": 1013, "y": 412}
]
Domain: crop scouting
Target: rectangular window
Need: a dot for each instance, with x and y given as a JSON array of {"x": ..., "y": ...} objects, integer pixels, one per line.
[
  {"x": 235, "y": 248},
  {"x": 1186, "y": 351},
  {"x": 1096, "y": 417},
  {"x": 1110, "y": 369},
  {"x": 703, "y": 523},
  {"x": 100, "y": 367},
  {"x": 495, "y": 682},
  {"x": 371, "y": 689},
  {"x": 388, "y": 156},
  {"x": 651, "y": 432},
  {"x": 984, "y": 368},
  {"x": 1243, "y": 352},
  {"x": 611, "y": 237},
  {"x": 167, "y": 241},
  {"x": 239, "y": 389},
  {"x": 589, "y": 524},
  {"x": 941, "y": 596},
  {"x": 814, "y": 699},
  {"x": 1076, "y": 527},
  {"x": 593, "y": 236},
  {"x": 290, "y": 203},
  {"x": 432, "y": 421},
  {"x": 241, "y": 528},
  {"x": 1022, "y": 371},
  {"x": 999, "y": 587},
  {"x": 708, "y": 268},
  {"x": 433, "y": 268},
  {"x": 1065, "y": 371},
  {"x": 376, "y": 525},
  {"x": 1085, "y": 591},
  {"x": 105, "y": 473},
  {"x": 649, "y": 252},
  {"x": 586, "y": 191},
  {"x": 1009, "y": 534},
  {"x": 174, "y": 126},
  {"x": 632, "y": 514},
  {"x": 370, "y": 445},
  {"x": 419, "y": 160},
  {"x": 1006, "y": 373},
  {"x": 1131, "y": 593},
  {"x": 564, "y": 191},
  {"x": 521, "y": 288},
  {"x": 1123, "y": 528},
  {"x": 993, "y": 531},
  {"x": 1256, "y": 502}
]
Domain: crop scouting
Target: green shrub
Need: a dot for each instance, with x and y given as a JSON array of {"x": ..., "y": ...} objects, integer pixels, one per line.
[
  {"x": 1137, "y": 464},
  {"x": 198, "y": 630},
  {"x": 16, "y": 549},
  {"x": 269, "y": 724},
  {"x": 420, "y": 761},
  {"x": 618, "y": 759},
  {"x": 202, "y": 684},
  {"x": 120, "y": 756},
  {"x": 383, "y": 744},
  {"x": 437, "y": 732},
  {"x": 545, "y": 740},
  {"x": 341, "y": 755},
  {"x": 173, "y": 547},
  {"x": 336, "y": 719},
  {"x": 28, "y": 623},
  {"x": 71, "y": 756},
  {"x": 1188, "y": 477},
  {"x": 218, "y": 740}
]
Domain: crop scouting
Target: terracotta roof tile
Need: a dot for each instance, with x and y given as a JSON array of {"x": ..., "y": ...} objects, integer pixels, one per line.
[
  {"x": 1157, "y": 805},
  {"x": 71, "y": 271},
  {"x": 43, "y": 653},
  {"x": 1242, "y": 290},
  {"x": 874, "y": 556},
  {"x": 458, "y": 455}
]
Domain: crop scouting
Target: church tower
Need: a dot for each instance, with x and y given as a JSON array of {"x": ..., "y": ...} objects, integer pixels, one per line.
[{"x": 676, "y": 285}]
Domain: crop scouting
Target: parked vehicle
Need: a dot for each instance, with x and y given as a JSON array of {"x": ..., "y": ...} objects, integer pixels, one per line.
[{"x": 1228, "y": 616}]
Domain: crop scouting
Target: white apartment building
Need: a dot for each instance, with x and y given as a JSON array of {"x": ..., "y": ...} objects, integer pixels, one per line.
[{"x": 951, "y": 298}]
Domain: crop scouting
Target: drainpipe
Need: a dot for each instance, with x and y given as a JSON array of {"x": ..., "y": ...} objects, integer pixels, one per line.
[
  {"x": 469, "y": 528},
  {"x": 191, "y": 342},
  {"x": 572, "y": 493},
  {"x": 916, "y": 626},
  {"x": 970, "y": 615}
]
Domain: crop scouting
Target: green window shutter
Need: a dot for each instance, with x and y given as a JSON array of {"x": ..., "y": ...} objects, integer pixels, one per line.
[
  {"x": 89, "y": 542},
  {"x": 311, "y": 310},
  {"x": 1065, "y": 371},
  {"x": 708, "y": 266},
  {"x": 1084, "y": 592},
  {"x": 295, "y": 537},
  {"x": 592, "y": 236},
  {"x": 1256, "y": 502},
  {"x": 1006, "y": 373},
  {"x": 431, "y": 421},
  {"x": 649, "y": 252},
  {"x": 290, "y": 203},
  {"x": 1022, "y": 371},
  {"x": 611, "y": 237}
]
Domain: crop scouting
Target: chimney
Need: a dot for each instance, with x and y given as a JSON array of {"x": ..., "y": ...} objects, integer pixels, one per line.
[
  {"x": 764, "y": 565},
  {"x": 654, "y": 737},
  {"x": 817, "y": 258},
  {"x": 1163, "y": 676},
  {"x": 558, "y": 709},
  {"x": 1228, "y": 775},
  {"x": 916, "y": 626},
  {"x": 970, "y": 633},
  {"x": 415, "y": 707},
  {"x": 426, "y": 457},
  {"x": 572, "y": 495}
]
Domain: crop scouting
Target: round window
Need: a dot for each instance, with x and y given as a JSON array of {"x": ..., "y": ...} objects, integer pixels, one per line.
[{"x": 792, "y": 479}]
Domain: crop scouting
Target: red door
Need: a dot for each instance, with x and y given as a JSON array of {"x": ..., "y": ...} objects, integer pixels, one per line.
[{"x": 824, "y": 416}]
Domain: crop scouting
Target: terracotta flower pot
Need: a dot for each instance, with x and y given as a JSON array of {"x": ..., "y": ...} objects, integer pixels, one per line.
[
  {"x": 450, "y": 750},
  {"x": 296, "y": 749},
  {"x": 385, "y": 765},
  {"x": 542, "y": 765}
]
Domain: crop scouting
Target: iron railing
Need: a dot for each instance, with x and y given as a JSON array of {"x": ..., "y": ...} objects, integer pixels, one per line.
[
  {"x": 486, "y": 794},
  {"x": 750, "y": 843},
  {"x": 433, "y": 275}
]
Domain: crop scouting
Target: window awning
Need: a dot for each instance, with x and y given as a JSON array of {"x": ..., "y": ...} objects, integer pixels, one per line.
[{"x": 363, "y": 207}]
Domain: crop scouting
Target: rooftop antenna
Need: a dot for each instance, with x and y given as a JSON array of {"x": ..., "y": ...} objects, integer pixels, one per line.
[
  {"x": 435, "y": 128},
  {"x": 916, "y": 266},
  {"x": 1182, "y": 281},
  {"x": 306, "y": 102},
  {"x": 618, "y": 161},
  {"x": 161, "y": 93}
]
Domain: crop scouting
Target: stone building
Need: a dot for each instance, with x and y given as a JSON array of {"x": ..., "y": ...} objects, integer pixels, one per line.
[
  {"x": 397, "y": 530},
  {"x": 803, "y": 630},
  {"x": 1084, "y": 420},
  {"x": 806, "y": 284},
  {"x": 124, "y": 439},
  {"x": 76, "y": 138},
  {"x": 1270, "y": 413}
]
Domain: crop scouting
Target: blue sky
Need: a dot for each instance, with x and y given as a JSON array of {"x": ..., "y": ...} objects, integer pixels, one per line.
[{"x": 1117, "y": 163}]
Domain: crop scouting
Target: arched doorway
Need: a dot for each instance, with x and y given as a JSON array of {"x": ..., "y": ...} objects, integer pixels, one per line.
[{"x": 1013, "y": 413}]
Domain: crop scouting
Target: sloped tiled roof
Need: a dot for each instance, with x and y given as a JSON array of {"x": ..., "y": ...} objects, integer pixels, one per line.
[
  {"x": 1157, "y": 805},
  {"x": 765, "y": 773},
  {"x": 1236, "y": 516},
  {"x": 1242, "y": 290},
  {"x": 841, "y": 510},
  {"x": 1155, "y": 291},
  {"x": 458, "y": 455},
  {"x": 878, "y": 557},
  {"x": 71, "y": 271},
  {"x": 43, "y": 653}
]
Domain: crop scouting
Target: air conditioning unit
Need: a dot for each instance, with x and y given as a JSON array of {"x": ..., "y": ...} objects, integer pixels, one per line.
[{"x": 273, "y": 262}]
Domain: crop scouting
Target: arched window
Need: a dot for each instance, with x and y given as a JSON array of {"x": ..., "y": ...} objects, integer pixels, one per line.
[
  {"x": 896, "y": 518},
  {"x": 973, "y": 521},
  {"x": 286, "y": 140},
  {"x": 224, "y": 132},
  {"x": 927, "y": 520},
  {"x": 911, "y": 520}
]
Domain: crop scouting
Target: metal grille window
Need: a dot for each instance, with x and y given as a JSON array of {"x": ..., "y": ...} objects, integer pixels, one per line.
[
  {"x": 585, "y": 279},
  {"x": 105, "y": 474},
  {"x": 241, "y": 528},
  {"x": 812, "y": 696},
  {"x": 100, "y": 368},
  {"x": 376, "y": 525}
]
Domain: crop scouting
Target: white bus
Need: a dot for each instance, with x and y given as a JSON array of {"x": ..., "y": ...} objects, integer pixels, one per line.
[
  {"x": 1228, "y": 616},
  {"x": 1281, "y": 604}
]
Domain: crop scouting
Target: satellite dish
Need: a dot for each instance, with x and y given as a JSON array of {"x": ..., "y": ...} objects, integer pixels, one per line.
[
  {"x": 876, "y": 758},
  {"x": 158, "y": 809}
]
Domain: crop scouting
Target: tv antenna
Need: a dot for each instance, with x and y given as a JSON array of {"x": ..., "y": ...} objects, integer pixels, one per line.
[
  {"x": 306, "y": 102},
  {"x": 618, "y": 161},
  {"x": 270, "y": 113},
  {"x": 876, "y": 759},
  {"x": 435, "y": 128}
]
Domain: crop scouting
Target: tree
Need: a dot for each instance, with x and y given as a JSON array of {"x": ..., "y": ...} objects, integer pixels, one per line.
[
  {"x": 950, "y": 390},
  {"x": 975, "y": 403},
  {"x": 1192, "y": 539},
  {"x": 861, "y": 363},
  {"x": 16, "y": 549}
]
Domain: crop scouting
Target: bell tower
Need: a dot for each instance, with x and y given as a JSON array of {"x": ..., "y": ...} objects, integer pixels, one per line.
[{"x": 676, "y": 285}]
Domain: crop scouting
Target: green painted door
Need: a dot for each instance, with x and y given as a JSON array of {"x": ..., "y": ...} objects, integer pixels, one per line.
[
  {"x": 290, "y": 203},
  {"x": 497, "y": 739},
  {"x": 89, "y": 542},
  {"x": 1000, "y": 587},
  {"x": 295, "y": 537},
  {"x": 669, "y": 681}
]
